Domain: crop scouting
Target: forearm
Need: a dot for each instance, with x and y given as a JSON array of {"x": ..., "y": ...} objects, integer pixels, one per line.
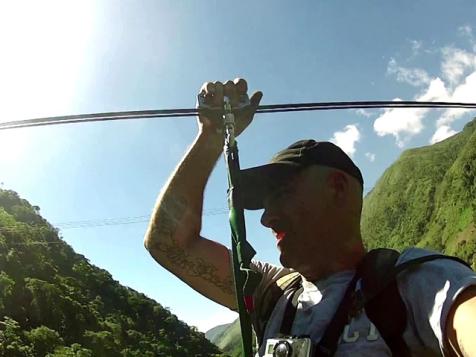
[{"x": 176, "y": 218}]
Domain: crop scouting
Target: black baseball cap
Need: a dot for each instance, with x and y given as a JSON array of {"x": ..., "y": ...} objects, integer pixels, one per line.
[{"x": 258, "y": 182}]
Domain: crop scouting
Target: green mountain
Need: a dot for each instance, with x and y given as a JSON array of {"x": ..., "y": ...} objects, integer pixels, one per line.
[
  {"x": 229, "y": 340},
  {"x": 214, "y": 333},
  {"x": 427, "y": 198},
  {"x": 53, "y": 302}
]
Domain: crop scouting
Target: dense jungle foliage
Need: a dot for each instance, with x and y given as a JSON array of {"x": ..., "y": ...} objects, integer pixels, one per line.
[
  {"x": 53, "y": 302},
  {"x": 427, "y": 198}
]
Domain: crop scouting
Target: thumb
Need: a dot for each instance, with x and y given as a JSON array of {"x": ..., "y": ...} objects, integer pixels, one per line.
[{"x": 256, "y": 98}]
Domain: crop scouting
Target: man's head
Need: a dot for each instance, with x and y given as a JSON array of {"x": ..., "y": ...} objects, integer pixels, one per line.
[{"x": 311, "y": 193}]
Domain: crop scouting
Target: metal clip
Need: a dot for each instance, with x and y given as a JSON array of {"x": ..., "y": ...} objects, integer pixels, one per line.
[
  {"x": 226, "y": 113},
  {"x": 229, "y": 122}
]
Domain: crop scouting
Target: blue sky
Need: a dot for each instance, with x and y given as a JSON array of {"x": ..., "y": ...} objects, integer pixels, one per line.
[{"x": 61, "y": 58}]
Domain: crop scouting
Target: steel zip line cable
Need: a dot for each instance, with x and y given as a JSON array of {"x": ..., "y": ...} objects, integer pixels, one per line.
[{"x": 274, "y": 108}]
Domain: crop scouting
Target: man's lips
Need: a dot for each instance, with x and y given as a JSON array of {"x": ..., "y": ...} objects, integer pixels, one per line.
[{"x": 280, "y": 236}]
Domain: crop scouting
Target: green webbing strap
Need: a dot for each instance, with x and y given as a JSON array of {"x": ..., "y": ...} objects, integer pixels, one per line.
[
  {"x": 242, "y": 252},
  {"x": 245, "y": 280}
]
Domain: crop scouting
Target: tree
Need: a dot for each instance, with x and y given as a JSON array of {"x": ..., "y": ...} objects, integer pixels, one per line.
[
  {"x": 6, "y": 288},
  {"x": 12, "y": 340},
  {"x": 75, "y": 350},
  {"x": 43, "y": 340}
]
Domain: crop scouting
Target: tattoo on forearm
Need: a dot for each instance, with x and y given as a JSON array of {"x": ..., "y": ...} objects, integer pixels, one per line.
[
  {"x": 196, "y": 267},
  {"x": 165, "y": 224},
  {"x": 170, "y": 214}
]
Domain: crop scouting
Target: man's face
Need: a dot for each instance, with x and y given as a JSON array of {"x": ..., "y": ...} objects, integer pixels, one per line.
[{"x": 299, "y": 215}]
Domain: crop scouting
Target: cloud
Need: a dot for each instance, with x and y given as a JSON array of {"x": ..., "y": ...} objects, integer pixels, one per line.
[
  {"x": 416, "y": 47},
  {"x": 403, "y": 123},
  {"x": 465, "y": 92},
  {"x": 364, "y": 113},
  {"x": 414, "y": 76},
  {"x": 442, "y": 133},
  {"x": 456, "y": 83},
  {"x": 347, "y": 138},
  {"x": 456, "y": 63},
  {"x": 370, "y": 156},
  {"x": 466, "y": 31}
]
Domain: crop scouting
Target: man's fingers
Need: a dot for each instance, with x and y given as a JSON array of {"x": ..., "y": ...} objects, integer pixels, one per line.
[
  {"x": 256, "y": 98},
  {"x": 232, "y": 93},
  {"x": 210, "y": 88},
  {"x": 218, "y": 86},
  {"x": 213, "y": 92},
  {"x": 208, "y": 92},
  {"x": 218, "y": 96},
  {"x": 241, "y": 86},
  {"x": 207, "y": 88}
]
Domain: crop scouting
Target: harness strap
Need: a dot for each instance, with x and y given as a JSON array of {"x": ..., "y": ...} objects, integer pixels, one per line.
[
  {"x": 327, "y": 346},
  {"x": 290, "y": 312},
  {"x": 378, "y": 275}
]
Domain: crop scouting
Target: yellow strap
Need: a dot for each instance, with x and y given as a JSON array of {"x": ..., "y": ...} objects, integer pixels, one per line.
[{"x": 285, "y": 280}]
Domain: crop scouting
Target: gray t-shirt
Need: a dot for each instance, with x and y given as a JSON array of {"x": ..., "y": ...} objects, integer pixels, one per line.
[{"x": 428, "y": 292}]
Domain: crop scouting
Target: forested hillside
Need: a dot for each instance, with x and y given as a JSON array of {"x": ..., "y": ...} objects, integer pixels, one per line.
[
  {"x": 229, "y": 338},
  {"x": 53, "y": 302},
  {"x": 427, "y": 198},
  {"x": 215, "y": 332}
]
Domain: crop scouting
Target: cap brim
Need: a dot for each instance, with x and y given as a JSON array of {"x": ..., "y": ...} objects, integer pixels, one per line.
[{"x": 258, "y": 182}]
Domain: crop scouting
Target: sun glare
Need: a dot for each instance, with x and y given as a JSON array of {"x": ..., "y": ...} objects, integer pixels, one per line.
[
  {"x": 44, "y": 53},
  {"x": 44, "y": 48}
]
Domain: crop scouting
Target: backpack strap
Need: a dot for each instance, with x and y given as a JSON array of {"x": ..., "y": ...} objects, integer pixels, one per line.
[
  {"x": 380, "y": 297},
  {"x": 269, "y": 299},
  {"x": 378, "y": 269},
  {"x": 327, "y": 346},
  {"x": 290, "y": 312}
]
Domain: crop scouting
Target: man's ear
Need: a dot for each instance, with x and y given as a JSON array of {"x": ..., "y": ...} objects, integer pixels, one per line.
[{"x": 339, "y": 184}]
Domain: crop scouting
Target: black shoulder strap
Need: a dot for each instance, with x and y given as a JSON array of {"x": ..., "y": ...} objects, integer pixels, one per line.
[
  {"x": 381, "y": 298},
  {"x": 378, "y": 269},
  {"x": 290, "y": 312},
  {"x": 327, "y": 346},
  {"x": 380, "y": 295}
]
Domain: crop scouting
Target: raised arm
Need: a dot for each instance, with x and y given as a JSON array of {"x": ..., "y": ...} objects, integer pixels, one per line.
[{"x": 173, "y": 236}]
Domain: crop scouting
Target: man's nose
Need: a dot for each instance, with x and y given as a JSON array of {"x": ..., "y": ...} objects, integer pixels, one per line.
[{"x": 268, "y": 217}]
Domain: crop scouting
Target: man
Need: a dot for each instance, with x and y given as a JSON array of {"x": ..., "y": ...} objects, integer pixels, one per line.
[{"x": 312, "y": 198}]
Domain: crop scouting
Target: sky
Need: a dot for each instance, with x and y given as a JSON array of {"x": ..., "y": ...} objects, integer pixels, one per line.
[{"x": 65, "y": 57}]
